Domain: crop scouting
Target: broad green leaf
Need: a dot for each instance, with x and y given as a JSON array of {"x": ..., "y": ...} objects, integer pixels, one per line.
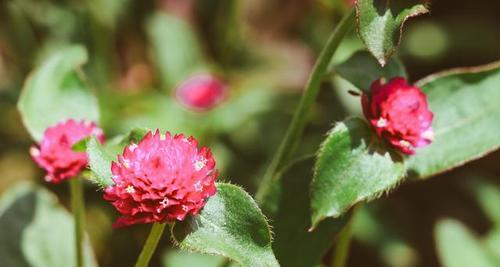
[
  {"x": 288, "y": 207},
  {"x": 361, "y": 69},
  {"x": 466, "y": 109},
  {"x": 35, "y": 231},
  {"x": 99, "y": 163},
  {"x": 179, "y": 258},
  {"x": 458, "y": 247},
  {"x": 175, "y": 49},
  {"x": 380, "y": 24},
  {"x": 352, "y": 165},
  {"x": 55, "y": 92},
  {"x": 231, "y": 225}
]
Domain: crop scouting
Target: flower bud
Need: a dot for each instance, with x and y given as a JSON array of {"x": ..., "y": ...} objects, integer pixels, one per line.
[
  {"x": 399, "y": 113},
  {"x": 201, "y": 92}
]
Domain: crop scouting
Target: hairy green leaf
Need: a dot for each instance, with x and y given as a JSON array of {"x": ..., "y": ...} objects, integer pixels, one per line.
[
  {"x": 179, "y": 258},
  {"x": 380, "y": 24},
  {"x": 36, "y": 231},
  {"x": 466, "y": 109},
  {"x": 99, "y": 163},
  {"x": 353, "y": 165},
  {"x": 55, "y": 92},
  {"x": 361, "y": 69},
  {"x": 232, "y": 225},
  {"x": 288, "y": 207},
  {"x": 458, "y": 247}
]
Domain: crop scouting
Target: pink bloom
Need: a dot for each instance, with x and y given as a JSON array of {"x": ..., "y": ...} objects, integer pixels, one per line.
[
  {"x": 399, "y": 113},
  {"x": 201, "y": 92},
  {"x": 163, "y": 178},
  {"x": 55, "y": 153}
]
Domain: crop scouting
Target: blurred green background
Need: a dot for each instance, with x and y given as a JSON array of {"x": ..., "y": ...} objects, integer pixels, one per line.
[{"x": 264, "y": 50}]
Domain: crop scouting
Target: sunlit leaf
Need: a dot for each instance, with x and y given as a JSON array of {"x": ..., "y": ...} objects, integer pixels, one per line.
[
  {"x": 55, "y": 92},
  {"x": 466, "y": 109},
  {"x": 380, "y": 24},
  {"x": 231, "y": 225},
  {"x": 352, "y": 165}
]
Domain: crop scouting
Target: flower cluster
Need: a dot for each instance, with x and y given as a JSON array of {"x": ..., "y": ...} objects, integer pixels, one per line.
[
  {"x": 55, "y": 153},
  {"x": 163, "y": 178},
  {"x": 399, "y": 113},
  {"x": 201, "y": 92}
]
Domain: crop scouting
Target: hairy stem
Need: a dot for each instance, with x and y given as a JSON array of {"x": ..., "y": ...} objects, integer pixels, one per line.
[
  {"x": 150, "y": 245},
  {"x": 295, "y": 129}
]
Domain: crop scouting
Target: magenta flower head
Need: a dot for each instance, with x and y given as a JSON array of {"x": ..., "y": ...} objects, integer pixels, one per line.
[
  {"x": 399, "y": 113},
  {"x": 163, "y": 178},
  {"x": 55, "y": 153},
  {"x": 201, "y": 92}
]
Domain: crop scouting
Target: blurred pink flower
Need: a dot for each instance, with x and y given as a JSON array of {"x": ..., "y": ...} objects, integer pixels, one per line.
[
  {"x": 201, "y": 92},
  {"x": 55, "y": 154}
]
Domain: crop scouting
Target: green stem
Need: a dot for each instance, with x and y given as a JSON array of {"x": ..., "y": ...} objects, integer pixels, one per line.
[
  {"x": 150, "y": 246},
  {"x": 78, "y": 208},
  {"x": 296, "y": 127},
  {"x": 341, "y": 250}
]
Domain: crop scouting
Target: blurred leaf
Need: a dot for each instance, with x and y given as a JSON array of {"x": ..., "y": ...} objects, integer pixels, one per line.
[
  {"x": 380, "y": 24},
  {"x": 492, "y": 242},
  {"x": 352, "y": 166},
  {"x": 54, "y": 93},
  {"x": 107, "y": 12},
  {"x": 99, "y": 163},
  {"x": 373, "y": 231},
  {"x": 231, "y": 225},
  {"x": 458, "y": 247},
  {"x": 243, "y": 106},
  {"x": 80, "y": 146},
  {"x": 287, "y": 205},
  {"x": 36, "y": 231},
  {"x": 179, "y": 258},
  {"x": 175, "y": 49},
  {"x": 488, "y": 196},
  {"x": 361, "y": 69},
  {"x": 466, "y": 111}
]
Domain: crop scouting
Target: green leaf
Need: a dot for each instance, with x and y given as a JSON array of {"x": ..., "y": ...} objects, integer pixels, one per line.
[
  {"x": 488, "y": 196},
  {"x": 36, "y": 231},
  {"x": 175, "y": 49},
  {"x": 458, "y": 247},
  {"x": 99, "y": 163},
  {"x": 179, "y": 258},
  {"x": 101, "y": 156},
  {"x": 466, "y": 111},
  {"x": 361, "y": 69},
  {"x": 231, "y": 225},
  {"x": 288, "y": 207},
  {"x": 55, "y": 92},
  {"x": 492, "y": 243},
  {"x": 380, "y": 24},
  {"x": 352, "y": 165}
]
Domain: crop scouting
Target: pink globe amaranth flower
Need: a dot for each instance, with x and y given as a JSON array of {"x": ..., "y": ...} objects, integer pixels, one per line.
[
  {"x": 163, "y": 178},
  {"x": 399, "y": 113},
  {"x": 55, "y": 153},
  {"x": 201, "y": 92}
]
